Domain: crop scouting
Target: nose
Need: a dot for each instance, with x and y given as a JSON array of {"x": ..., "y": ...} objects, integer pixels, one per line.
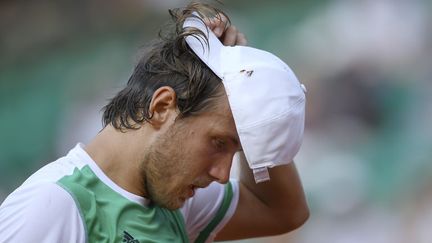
[{"x": 220, "y": 170}]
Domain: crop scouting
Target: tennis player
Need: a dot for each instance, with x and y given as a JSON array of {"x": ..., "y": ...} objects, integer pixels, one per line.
[{"x": 159, "y": 170}]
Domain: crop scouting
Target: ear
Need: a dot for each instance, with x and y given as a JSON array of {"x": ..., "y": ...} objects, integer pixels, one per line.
[{"x": 163, "y": 106}]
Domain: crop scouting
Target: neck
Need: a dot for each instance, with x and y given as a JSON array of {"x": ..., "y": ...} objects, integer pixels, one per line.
[{"x": 119, "y": 155}]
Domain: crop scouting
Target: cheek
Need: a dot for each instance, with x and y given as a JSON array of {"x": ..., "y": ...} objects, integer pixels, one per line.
[
  {"x": 206, "y": 152},
  {"x": 198, "y": 154},
  {"x": 194, "y": 149}
]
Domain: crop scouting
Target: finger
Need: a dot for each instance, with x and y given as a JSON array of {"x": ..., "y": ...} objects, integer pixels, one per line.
[
  {"x": 220, "y": 21},
  {"x": 230, "y": 36},
  {"x": 210, "y": 23},
  {"x": 241, "y": 39},
  {"x": 213, "y": 24},
  {"x": 223, "y": 19}
]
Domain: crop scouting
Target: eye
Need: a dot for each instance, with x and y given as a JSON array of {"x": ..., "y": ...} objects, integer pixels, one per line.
[{"x": 219, "y": 143}]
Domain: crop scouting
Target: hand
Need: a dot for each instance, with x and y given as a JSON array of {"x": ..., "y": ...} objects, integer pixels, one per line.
[{"x": 228, "y": 36}]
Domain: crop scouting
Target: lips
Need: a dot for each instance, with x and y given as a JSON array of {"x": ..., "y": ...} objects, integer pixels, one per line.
[
  {"x": 193, "y": 188},
  {"x": 191, "y": 191}
]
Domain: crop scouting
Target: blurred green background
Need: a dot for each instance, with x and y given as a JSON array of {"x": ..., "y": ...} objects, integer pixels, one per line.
[{"x": 366, "y": 158}]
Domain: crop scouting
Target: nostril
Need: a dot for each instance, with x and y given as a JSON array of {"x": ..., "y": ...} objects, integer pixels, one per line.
[
  {"x": 224, "y": 179},
  {"x": 220, "y": 174},
  {"x": 220, "y": 171}
]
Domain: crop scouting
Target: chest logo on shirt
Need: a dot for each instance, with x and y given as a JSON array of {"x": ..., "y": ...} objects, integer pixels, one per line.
[{"x": 128, "y": 238}]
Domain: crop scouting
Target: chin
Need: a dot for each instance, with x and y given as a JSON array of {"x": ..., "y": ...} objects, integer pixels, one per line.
[
  {"x": 173, "y": 204},
  {"x": 171, "y": 199}
]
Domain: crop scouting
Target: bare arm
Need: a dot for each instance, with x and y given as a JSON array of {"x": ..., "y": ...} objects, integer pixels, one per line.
[
  {"x": 274, "y": 207},
  {"x": 269, "y": 208}
]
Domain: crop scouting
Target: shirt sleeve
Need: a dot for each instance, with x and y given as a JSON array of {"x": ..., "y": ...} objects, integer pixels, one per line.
[
  {"x": 200, "y": 210},
  {"x": 41, "y": 213}
]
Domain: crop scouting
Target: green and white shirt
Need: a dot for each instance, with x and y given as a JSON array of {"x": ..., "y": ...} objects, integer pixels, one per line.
[{"x": 72, "y": 200}]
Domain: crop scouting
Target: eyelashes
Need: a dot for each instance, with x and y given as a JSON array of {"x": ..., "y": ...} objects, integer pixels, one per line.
[
  {"x": 219, "y": 144},
  {"x": 223, "y": 145}
]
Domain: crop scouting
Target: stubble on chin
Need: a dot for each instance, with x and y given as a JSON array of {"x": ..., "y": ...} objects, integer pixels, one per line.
[
  {"x": 171, "y": 201},
  {"x": 160, "y": 193},
  {"x": 163, "y": 171}
]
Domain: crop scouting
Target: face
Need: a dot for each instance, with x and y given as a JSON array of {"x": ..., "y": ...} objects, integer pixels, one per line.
[{"x": 194, "y": 152}]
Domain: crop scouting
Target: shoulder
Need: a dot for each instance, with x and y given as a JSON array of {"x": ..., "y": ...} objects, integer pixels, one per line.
[{"x": 40, "y": 212}]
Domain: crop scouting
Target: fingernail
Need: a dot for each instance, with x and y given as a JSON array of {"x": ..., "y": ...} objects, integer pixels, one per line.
[{"x": 217, "y": 31}]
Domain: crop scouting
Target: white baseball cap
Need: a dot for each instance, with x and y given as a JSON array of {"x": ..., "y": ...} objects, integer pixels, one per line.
[{"x": 266, "y": 99}]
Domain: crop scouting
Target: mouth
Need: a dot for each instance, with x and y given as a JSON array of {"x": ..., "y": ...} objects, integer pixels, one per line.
[{"x": 191, "y": 190}]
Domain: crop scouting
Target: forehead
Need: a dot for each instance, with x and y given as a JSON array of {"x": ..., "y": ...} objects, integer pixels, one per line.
[{"x": 217, "y": 119}]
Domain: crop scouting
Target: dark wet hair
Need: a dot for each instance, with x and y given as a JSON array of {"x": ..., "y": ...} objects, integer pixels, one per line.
[{"x": 169, "y": 62}]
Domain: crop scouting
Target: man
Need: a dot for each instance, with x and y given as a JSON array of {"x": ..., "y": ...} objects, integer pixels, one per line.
[{"x": 159, "y": 170}]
